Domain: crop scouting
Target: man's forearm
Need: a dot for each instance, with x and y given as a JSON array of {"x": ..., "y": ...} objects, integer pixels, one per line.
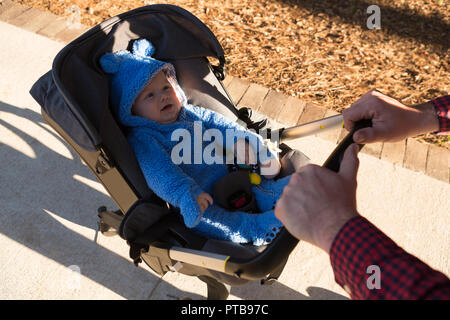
[
  {"x": 427, "y": 120},
  {"x": 369, "y": 265}
]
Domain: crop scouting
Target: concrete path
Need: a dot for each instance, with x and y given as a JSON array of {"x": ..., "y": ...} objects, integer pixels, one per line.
[{"x": 49, "y": 247}]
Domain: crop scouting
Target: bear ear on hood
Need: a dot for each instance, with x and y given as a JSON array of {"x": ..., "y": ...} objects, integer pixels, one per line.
[
  {"x": 143, "y": 48},
  {"x": 110, "y": 62}
]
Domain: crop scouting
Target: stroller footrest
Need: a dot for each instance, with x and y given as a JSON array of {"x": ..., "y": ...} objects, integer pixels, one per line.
[{"x": 157, "y": 258}]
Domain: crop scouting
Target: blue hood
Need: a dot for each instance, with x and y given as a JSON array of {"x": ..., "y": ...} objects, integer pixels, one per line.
[{"x": 129, "y": 73}]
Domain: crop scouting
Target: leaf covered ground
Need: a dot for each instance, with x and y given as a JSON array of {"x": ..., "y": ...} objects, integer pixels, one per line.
[{"x": 318, "y": 51}]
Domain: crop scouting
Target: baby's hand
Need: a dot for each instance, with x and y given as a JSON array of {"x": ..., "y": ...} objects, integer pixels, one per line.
[
  {"x": 204, "y": 200},
  {"x": 270, "y": 168},
  {"x": 244, "y": 152}
]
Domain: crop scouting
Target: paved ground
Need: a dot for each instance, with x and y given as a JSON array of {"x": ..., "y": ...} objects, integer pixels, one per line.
[{"x": 50, "y": 249}]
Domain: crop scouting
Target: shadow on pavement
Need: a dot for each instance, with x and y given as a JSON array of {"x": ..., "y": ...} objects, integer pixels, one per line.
[
  {"x": 47, "y": 194},
  {"x": 279, "y": 291},
  {"x": 43, "y": 191}
]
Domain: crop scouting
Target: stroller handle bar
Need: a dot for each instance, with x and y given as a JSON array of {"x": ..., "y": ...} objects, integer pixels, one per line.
[
  {"x": 260, "y": 266},
  {"x": 310, "y": 128}
]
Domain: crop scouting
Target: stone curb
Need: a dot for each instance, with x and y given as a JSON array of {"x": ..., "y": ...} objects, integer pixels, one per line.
[
  {"x": 40, "y": 22},
  {"x": 410, "y": 153}
]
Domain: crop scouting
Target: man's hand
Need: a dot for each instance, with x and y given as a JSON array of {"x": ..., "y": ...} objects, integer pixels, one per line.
[
  {"x": 391, "y": 120},
  {"x": 317, "y": 202},
  {"x": 204, "y": 200}
]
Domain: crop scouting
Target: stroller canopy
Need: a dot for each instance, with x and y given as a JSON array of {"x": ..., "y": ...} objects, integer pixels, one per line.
[{"x": 74, "y": 93}]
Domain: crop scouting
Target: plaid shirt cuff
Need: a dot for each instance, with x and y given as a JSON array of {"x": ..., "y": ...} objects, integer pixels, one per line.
[
  {"x": 369, "y": 265},
  {"x": 442, "y": 107}
]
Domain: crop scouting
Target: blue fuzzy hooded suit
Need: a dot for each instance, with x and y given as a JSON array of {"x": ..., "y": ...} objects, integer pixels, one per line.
[{"x": 181, "y": 183}]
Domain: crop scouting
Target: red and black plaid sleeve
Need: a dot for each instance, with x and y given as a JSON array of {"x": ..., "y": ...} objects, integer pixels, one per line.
[
  {"x": 442, "y": 107},
  {"x": 360, "y": 251}
]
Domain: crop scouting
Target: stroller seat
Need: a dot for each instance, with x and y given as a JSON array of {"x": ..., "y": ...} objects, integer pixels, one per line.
[{"x": 74, "y": 100}]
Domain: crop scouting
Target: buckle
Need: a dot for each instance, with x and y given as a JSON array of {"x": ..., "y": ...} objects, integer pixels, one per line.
[{"x": 239, "y": 199}]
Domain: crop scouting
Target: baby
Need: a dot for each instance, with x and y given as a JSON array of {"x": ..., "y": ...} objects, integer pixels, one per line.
[{"x": 148, "y": 101}]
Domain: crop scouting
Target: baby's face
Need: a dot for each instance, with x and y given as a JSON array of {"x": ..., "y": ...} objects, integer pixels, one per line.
[{"x": 157, "y": 101}]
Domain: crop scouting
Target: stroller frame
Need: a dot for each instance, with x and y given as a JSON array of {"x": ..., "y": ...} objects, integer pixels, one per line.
[{"x": 81, "y": 115}]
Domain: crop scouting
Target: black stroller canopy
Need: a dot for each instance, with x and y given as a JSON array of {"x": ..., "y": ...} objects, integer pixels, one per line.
[{"x": 80, "y": 99}]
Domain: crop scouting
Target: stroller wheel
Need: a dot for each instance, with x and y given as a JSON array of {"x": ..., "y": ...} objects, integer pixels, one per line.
[
  {"x": 101, "y": 209},
  {"x": 109, "y": 221},
  {"x": 216, "y": 289},
  {"x": 104, "y": 217},
  {"x": 106, "y": 229}
]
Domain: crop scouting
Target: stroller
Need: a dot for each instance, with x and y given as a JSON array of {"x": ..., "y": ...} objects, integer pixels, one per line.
[{"x": 74, "y": 101}]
